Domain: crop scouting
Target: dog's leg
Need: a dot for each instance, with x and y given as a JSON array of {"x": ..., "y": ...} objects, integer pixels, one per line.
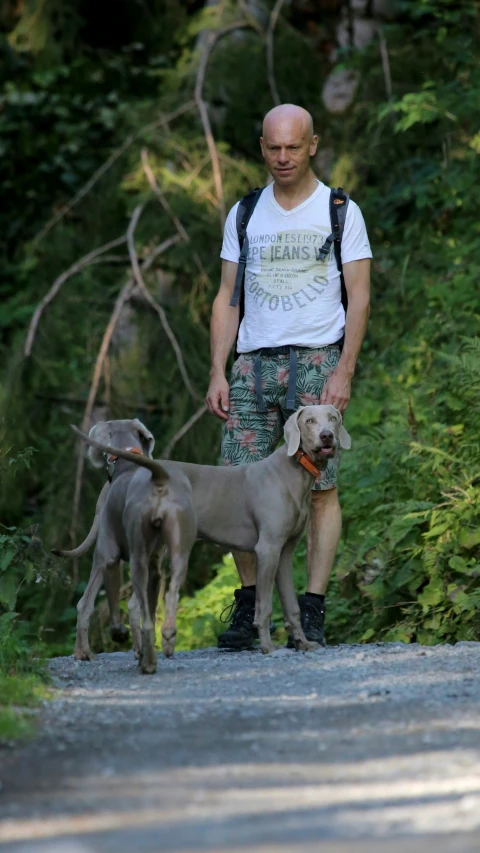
[
  {"x": 286, "y": 591},
  {"x": 85, "y": 608},
  {"x": 118, "y": 632},
  {"x": 134, "y": 619},
  {"x": 180, "y": 533},
  {"x": 153, "y": 586},
  {"x": 267, "y": 565},
  {"x": 140, "y": 573},
  {"x": 179, "y": 566}
]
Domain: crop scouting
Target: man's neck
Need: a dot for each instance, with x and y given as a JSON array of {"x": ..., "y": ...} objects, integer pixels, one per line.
[{"x": 290, "y": 197}]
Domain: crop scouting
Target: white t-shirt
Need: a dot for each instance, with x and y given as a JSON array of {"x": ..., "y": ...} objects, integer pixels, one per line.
[{"x": 290, "y": 296}]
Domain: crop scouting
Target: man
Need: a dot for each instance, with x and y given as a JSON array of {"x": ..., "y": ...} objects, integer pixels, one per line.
[{"x": 292, "y": 301}]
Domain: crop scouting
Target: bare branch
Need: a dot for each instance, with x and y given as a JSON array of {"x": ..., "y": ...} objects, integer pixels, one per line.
[
  {"x": 237, "y": 165},
  {"x": 385, "y": 63},
  {"x": 274, "y": 16},
  {"x": 163, "y": 201},
  {"x": 182, "y": 431},
  {"x": 194, "y": 173},
  {"x": 122, "y": 297},
  {"x": 210, "y": 41},
  {"x": 153, "y": 125},
  {"x": 57, "y": 284},
  {"x": 154, "y": 304},
  {"x": 250, "y": 17}
]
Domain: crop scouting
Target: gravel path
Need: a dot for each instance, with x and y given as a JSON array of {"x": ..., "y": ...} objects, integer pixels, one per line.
[{"x": 353, "y": 748}]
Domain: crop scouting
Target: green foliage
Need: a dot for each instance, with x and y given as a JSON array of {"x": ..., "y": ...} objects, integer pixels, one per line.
[
  {"x": 22, "y": 677},
  {"x": 22, "y": 673},
  {"x": 74, "y": 88},
  {"x": 199, "y": 623},
  {"x": 409, "y": 563}
]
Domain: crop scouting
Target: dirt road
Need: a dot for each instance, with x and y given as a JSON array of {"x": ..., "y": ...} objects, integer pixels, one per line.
[{"x": 354, "y": 748}]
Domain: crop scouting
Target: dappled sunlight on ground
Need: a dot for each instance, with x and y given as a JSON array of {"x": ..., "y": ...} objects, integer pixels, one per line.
[{"x": 346, "y": 744}]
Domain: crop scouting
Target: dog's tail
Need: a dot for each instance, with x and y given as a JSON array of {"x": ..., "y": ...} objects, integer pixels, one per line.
[
  {"x": 92, "y": 535},
  {"x": 159, "y": 475}
]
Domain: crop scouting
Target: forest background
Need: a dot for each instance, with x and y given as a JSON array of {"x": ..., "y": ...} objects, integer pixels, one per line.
[{"x": 127, "y": 130}]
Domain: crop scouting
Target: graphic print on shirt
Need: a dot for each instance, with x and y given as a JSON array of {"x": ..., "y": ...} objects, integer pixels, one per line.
[{"x": 291, "y": 273}]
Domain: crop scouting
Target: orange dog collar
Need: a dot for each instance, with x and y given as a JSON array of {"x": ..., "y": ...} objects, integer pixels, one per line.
[
  {"x": 307, "y": 463},
  {"x": 113, "y": 458}
]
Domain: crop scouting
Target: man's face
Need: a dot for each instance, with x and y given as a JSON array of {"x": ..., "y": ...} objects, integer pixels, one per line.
[{"x": 287, "y": 148}]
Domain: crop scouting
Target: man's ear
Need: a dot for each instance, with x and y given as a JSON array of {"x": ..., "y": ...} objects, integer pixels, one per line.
[
  {"x": 291, "y": 432},
  {"x": 101, "y": 432},
  {"x": 146, "y": 438}
]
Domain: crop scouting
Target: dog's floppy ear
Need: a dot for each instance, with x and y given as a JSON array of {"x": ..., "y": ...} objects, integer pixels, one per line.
[
  {"x": 101, "y": 432},
  {"x": 344, "y": 438},
  {"x": 145, "y": 436},
  {"x": 291, "y": 432}
]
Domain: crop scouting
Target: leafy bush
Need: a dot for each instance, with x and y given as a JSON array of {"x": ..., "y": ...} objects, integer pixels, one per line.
[
  {"x": 407, "y": 565},
  {"x": 198, "y": 623},
  {"x": 22, "y": 671}
]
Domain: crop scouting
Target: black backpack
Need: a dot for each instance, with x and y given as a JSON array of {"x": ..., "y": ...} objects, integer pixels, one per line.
[{"x": 338, "y": 213}]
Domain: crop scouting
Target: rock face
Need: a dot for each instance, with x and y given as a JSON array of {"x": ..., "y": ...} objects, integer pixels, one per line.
[
  {"x": 354, "y": 31},
  {"x": 339, "y": 90}
]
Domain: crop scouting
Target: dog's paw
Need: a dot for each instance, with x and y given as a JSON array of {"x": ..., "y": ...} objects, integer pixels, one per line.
[
  {"x": 83, "y": 654},
  {"x": 267, "y": 648},
  {"x": 169, "y": 636},
  {"x": 119, "y": 633},
  {"x": 306, "y": 646},
  {"x": 148, "y": 656}
]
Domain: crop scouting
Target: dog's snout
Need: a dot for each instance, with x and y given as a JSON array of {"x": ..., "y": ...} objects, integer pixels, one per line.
[{"x": 326, "y": 436}]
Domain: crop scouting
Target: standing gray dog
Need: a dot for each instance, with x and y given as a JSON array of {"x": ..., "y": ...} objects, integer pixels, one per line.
[
  {"x": 262, "y": 507},
  {"x": 140, "y": 513}
]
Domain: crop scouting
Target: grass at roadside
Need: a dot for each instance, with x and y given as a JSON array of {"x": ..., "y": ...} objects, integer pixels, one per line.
[
  {"x": 19, "y": 695},
  {"x": 23, "y": 679}
]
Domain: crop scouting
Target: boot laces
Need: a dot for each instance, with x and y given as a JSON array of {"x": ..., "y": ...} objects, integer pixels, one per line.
[{"x": 235, "y": 613}]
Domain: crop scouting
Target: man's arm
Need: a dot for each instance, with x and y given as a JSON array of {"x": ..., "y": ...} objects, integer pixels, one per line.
[
  {"x": 337, "y": 389},
  {"x": 223, "y": 331}
]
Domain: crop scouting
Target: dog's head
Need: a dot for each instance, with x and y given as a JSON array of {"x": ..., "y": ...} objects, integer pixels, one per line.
[
  {"x": 319, "y": 431},
  {"x": 121, "y": 434}
]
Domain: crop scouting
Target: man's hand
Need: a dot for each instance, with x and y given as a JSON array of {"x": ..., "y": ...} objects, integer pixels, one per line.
[
  {"x": 217, "y": 396},
  {"x": 337, "y": 390}
]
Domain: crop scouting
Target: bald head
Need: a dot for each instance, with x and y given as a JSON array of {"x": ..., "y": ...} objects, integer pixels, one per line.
[
  {"x": 288, "y": 116},
  {"x": 288, "y": 143}
]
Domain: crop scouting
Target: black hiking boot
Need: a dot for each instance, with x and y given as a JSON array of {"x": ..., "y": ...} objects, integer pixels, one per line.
[
  {"x": 312, "y": 617},
  {"x": 240, "y": 614}
]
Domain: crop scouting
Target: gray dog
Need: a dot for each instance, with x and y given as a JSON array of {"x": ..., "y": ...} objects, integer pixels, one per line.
[
  {"x": 262, "y": 507},
  {"x": 141, "y": 512}
]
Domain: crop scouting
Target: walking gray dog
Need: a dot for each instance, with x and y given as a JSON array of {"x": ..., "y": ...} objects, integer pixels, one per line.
[
  {"x": 262, "y": 508},
  {"x": 141, "y": 512}
]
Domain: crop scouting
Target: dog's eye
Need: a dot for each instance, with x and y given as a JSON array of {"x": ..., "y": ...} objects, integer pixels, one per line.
[{"x": 310, "y": 421}]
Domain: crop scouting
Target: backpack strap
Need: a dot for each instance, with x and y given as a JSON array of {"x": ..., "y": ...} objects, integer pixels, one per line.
[
  {"x": 244, "y": 212},
  {"x": 338, "y": 214}
]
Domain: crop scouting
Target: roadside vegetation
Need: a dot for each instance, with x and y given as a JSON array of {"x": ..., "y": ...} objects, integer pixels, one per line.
[{"x": 79, "y": 88}]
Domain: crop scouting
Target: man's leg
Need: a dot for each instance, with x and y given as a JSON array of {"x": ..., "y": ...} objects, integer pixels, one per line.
[
  {"x": 246, "y": 567},
  {"x": 248, "y": 436},
  {"x": 323, "y": 536},
  {"x": 325, "y": 523}
]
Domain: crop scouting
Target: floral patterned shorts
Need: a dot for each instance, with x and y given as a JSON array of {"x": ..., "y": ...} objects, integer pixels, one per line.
[{"x": 250, "y": 435}]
